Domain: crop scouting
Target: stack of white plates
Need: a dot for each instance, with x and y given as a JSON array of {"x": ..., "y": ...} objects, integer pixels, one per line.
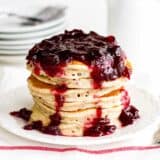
[{"x": 16, "y": 38}]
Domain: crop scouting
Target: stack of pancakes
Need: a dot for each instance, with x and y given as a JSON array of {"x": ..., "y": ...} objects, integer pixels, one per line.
[{"x": 71, "y": 97}]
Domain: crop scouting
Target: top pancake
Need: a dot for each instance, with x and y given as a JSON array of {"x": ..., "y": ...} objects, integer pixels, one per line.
[
  {"x": 76, "y": 75},
  {"x": 77, "y": 55}
]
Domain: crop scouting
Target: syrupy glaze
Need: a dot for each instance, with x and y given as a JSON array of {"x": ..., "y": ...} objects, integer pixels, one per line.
[
  {"x": 125, "y": 98},
  {"x": 37, "y": 69},
  {"x": 52, "y": 128},
  {"x": 59, "y": 97},
  {"x": 22, "y": 113},
  {"x": 129, "y": 115},
  {"x": 102, "y": 55},
  {"x": 99, "y": 126}
]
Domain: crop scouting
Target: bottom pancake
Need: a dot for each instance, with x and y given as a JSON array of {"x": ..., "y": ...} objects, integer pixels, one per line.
[
  {"x": 87, "y": 122},
  {"x": 75, "y": 123}
]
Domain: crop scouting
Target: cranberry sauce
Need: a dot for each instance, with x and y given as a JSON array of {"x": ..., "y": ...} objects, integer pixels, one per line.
[
  {"x": 102, "y": 55},
  {"x": 22, "y": 113},
  {"x": 55, "y": 119},
  {"x": 59, "y": 97},
  {"x": 128, "y": 115},
  {"x": 37, "y": 69},
  {"x": 99, "y": 126},
  {"x": 125, "y": 98},
  {"x": 52, "y": 128}
]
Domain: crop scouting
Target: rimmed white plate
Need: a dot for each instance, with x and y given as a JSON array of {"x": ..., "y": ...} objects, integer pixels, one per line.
[
  {"x": 22, "y": 42},
  {"x": 1, "y": 74},
  {"x": 15, "y": 52},
  {"x": 15, "y": 99},
  {"x": 5, "y": 26},
  {"x": 26, "y": 41},
  {"x": 15, "y": 47},
  {"x": 36, "y": 34},
  {"x": 20, "y": 58}
]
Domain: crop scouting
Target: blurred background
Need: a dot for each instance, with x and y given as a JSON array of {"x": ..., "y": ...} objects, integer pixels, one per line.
[{"x": 136, "y": 25}]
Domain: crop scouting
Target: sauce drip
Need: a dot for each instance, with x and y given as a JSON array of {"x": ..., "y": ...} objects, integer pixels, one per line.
[
  {"x": 99, "y": 126},
  {"x": 52, "y": 128},
  {"x": 59, "y": 97},
  {"x": 125, "y": 99},
  {"x": 55, "y": 119}
]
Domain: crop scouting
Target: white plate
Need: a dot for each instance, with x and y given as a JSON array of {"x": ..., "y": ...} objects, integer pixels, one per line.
[
  {"x": 18, "y": 42},
  {"x": 21, "y": 46},
  {"x": 16, "y": 47},
  {"x": 12, "y": 59},
  {"x": 6, "y": 23},
  {"x": 21, "y": 42},
  {"x": 20, "y": 97},
  {"x": 1, "y": 74},
  {"x": 26, "y": 41},
  {"x": 36, "y": 34},
  {"x": 15, "y": 52}
]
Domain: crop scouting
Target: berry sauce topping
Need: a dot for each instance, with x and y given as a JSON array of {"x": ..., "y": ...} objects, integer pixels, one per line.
[
  {"x": 59, "y": 97},
  {"x": 129, "y": 115},
  {"x": 52, "y": 128},
  {"x": 101, "y": 54},
  {"x": 99, "y": 126},
  {"x": 22, "y": 113},
  {"x": 37, "y": 69},
  {"x": 125, "y": 99}
]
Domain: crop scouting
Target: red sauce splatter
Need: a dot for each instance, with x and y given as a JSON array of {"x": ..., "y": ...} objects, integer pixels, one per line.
[
  {"x": 125, "y": 99},
  {"x": 59, "y": 97},
  {"x": 129, "y": 115},
  {"x": 22, "y": 113}
]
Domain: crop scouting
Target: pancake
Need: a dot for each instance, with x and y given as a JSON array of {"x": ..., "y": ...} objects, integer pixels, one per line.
[
  {"x": 40, "y": 89},
  {"x": 77, "y": 83},
  {"x": 75, "y": 75},
  {"x": 73, "y": 70},
  {"x": 106, "y": 102},
  {"x": 72, "y": 123}
]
